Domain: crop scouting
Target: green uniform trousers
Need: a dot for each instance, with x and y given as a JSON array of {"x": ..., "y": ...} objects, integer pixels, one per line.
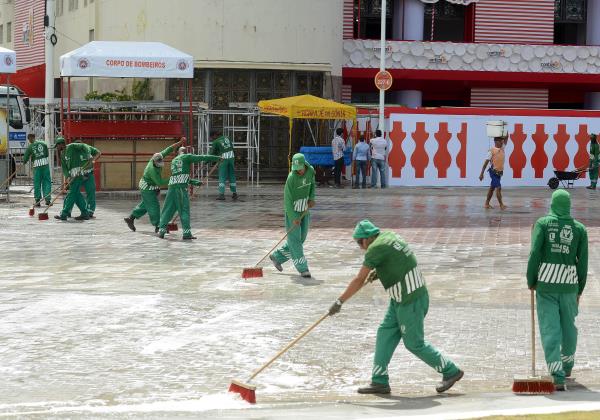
[
  {"x": 226, "y": 172},
  {"x": 150, "y": 205},
  {"x": 293, "y": 248},
  {"x": 177, "y": 200},
  {"x": 593, "y": 174},
  {"x": 556, "y": 318},
  {"x": 405, "y": 321},
  {"x": 74, "y": 197},
  {"x": 42, "y": 183},
  {"x": 89, "y": 184}
]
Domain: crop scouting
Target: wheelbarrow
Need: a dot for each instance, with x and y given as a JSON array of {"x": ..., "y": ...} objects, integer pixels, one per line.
[{"x": 566, "y": 178}]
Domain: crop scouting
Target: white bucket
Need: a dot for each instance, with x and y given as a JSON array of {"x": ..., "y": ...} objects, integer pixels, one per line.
[{"x": 496, "y": 128}]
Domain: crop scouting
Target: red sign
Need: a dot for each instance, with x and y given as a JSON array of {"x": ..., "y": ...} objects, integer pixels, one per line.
[{"x": 383, "y": 80}]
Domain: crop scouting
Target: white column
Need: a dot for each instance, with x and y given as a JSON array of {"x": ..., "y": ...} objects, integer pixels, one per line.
[
  {"x": 592, "y": 99},
  {"x": 398, "y": 20},
  {"x": 414, "y": 19},
  {"x": 49, "y": 81}
]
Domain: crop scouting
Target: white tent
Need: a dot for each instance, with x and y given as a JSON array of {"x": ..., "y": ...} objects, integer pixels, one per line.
[
  {"x": 8, "y": 61},
  {"x": 127, "y": 59}
]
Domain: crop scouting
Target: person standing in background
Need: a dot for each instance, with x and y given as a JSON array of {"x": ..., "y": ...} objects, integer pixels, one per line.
[
  {"x": 361, "y": 155},
  {"x": 337, "y": 148},
  {"x": 378, "y": 159}
]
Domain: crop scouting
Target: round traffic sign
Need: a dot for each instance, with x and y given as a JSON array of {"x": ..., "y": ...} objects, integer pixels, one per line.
[{"x": 383, "y": 80}]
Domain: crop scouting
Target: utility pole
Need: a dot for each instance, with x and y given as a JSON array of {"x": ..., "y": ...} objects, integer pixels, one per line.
[
  {"x": 382, "y": 67},
  {"x": 50, "y": 40}
]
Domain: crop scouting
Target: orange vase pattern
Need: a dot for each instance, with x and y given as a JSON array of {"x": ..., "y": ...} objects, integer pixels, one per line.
[
  {"x": 397, "y": 158},
  {"x": 539, "y": 159},
  {"x": 561, "y": 157},
  {"x": 442, "y": 158},
  {"x": 461, "y": 157},
  {"x": 517, "y": 159},
  {"x": 582, "y": 157},
  {"x": 419, "y": 159}
]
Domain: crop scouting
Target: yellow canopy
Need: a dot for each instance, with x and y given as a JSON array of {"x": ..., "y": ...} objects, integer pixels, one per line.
[{"x": 306, "y": 107}]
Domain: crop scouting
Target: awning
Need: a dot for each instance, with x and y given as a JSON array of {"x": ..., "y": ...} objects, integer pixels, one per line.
[
  {"x": 463, "y": 2},
  {"x": 127, "y": 59},
  {"x": 8, "y": 61}
]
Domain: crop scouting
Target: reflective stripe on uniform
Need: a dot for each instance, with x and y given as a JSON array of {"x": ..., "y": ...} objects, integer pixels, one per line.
[
  {"x": 143, "y": 185},
  {"x": 179, "y": 179},
  {"x": 227, "y": 155},
  {"x": 557, "y": 273},
  {"x": 40, "y": 162},
  {"x": 301, "y": 205}
]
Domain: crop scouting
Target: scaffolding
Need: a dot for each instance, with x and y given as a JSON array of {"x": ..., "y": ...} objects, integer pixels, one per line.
[{"x": 241, "y": 124}]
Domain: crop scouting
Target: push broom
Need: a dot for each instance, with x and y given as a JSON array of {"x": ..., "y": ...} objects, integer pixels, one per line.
[
  {"x": 172, "y": 227},
  {"x": 533, "y": 385},
  {"x": 248, "y": 391},
  {"x": 257, "y": 271},
  {"x": 44, "y": 214},
  {"x": 32, "y": 208}
]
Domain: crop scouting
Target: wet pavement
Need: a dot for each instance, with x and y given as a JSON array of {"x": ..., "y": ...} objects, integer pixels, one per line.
[{"x": 98, "y": 321}]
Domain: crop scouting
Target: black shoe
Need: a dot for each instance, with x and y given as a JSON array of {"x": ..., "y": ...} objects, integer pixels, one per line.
[
  {"x": 234, "y": 196},
  {"x": 82, "y": 217},
  {"x": 161, "y": 235},
  {"x": 375, "y": 388},
  {"x": 156, "y": 229},
  {"x": 591, "y": 188},
  {"x": 275, "y": 263},
  {"x": 37, "y": 204},
  {"x": 446, "y": 384},
  {"x": 306, "y": 274},
  {"x": 221, "y": 197},
  {"x": 560, "y": 387},
  {"x": 59, "y": 217},
  {"x": 129, "y": 221},
  {"x": 91, "y": 215},
  {"x": 48, "y": 203},
  {"x": 189, "y": 238}
]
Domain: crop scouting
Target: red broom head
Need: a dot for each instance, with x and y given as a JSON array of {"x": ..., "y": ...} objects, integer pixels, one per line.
[
  {"x": 252, "y": 272},
  {"x": 172, "y": 227},
  {"x": 31, "y": 211},
  {"x": 246, "y": 391},
  {"x": 533, "y": 386},
  {"x": 43, "y": 216}
]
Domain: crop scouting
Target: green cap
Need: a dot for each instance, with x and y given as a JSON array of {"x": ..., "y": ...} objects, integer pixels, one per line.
[
  {"x": 59, "y": 140},
  {"x": 365, "y": 229},
  {"x": 298, "y": 161}
]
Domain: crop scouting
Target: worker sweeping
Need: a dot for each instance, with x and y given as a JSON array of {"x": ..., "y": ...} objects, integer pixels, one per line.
[
  {"x": 149, "y": 186},
  {"x": 557, "y": 270},
  {"x": 89, "y": 180},
  {"x": 594, "y": 162},
  {"x": 177, "y": 199},
  {"x": 37, "y": 151},
  {"x": 397, "y": 269},
  {"x": 75, "y": 159},
  {"x": 222, "y": 146},
  {"x": 298, "y": 197}
]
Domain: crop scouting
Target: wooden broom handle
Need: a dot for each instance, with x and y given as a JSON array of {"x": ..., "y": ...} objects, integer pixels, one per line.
[
  {"x": 286, "y": 348},
  {"x": 304, "y": 213},
  {"x": 532, "y": 333}
]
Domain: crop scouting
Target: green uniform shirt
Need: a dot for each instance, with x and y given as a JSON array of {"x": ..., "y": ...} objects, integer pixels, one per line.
[
  {"x": 75, "y": 158},
  {"x": 595, "y": 154},
  {"x": 180, "y": 168},
  {"x": 223, "y": 147},
  {"x": 38, "y": 152},
  {"x": 93, "y": 152},
  {"x": 298, "y": 190},
  {"x": 396, "y": 267},
  {"x": 152, "y": 178},
  {"x": 558, "y": 260}
]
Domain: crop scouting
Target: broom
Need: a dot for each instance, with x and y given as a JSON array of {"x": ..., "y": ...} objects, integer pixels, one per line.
[
  {"x": 44, "y": 214},
  {"x": 32, "y": 209},
  {"x": 256, "y": 271},
  {"x": 246, "y": 390},
  {"x": 172, "y": 227},
  {"x": 533, "y": 385}
]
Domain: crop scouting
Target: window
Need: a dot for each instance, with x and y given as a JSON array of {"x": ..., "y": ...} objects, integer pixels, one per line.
[
  {"x": 73, "y": 5},
  {"x": 570, "y": 21},
  {"x": 60, "y": 7},
  {"x": 14, "y": 115},
  {"x": 91, "y": 35},
  {"x": 9, "y": 32},
  {"x": 1, "y": 34},
  {"x": 367, "y": 22},
  {"x": 448, "y": 22}
]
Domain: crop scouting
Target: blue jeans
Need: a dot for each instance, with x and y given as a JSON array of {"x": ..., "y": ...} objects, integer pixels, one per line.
[
  {"x": 378, "y": 164},
  {"x": 361, "y": 169}
]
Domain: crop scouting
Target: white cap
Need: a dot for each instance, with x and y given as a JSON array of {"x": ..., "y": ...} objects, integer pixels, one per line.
[
  {"x": 158, "y": 160},
  {"x": 181, "y": 150}
]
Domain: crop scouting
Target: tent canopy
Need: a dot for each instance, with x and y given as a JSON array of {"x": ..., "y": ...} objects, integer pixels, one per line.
[
  {"x": 8, "y": 61},
  {"x": 308, "y": 107},
  {"x": 127, "y": 59}
]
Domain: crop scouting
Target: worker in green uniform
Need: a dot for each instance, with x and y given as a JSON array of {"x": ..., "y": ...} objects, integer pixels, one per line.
[
  {"x": 222, "y": 146},
  {"x": 594, "y": 162},
  {"x": 75, "y": 159},
  {"x": 37, "y": 151},
  {"x": 177, "y": 199},
  {"x": 149, "y": 185},
  {"x": 397, "y": 269},
  {"x": 89, "y": 180},
  {"x": 298, "y": 198},
  {"x": 557, "y": 270}
]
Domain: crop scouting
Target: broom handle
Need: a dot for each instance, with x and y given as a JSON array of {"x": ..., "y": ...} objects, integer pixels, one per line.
[
  {"x": 65, "y": 185},
  {"x": 9, "y": 177},
  {"x": 284, "y": 236},
  {"x": 532, "y": 334},
  {"x": 53, "y": 191},
  {"x": 216, "y": 165},
  {"x": 286, "y": 348}
]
